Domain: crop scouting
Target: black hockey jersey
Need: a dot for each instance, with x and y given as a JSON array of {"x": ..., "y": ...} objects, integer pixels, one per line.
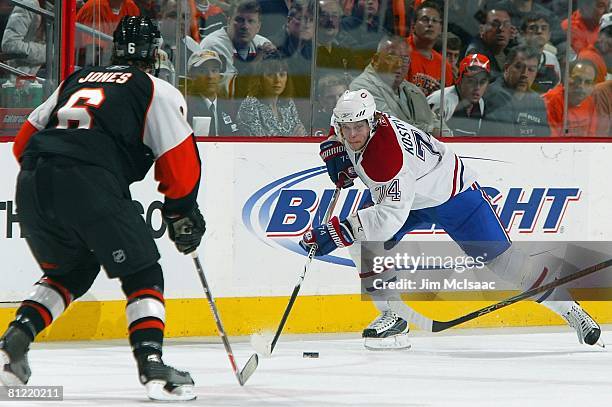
[{"x": 122, "y": 119}]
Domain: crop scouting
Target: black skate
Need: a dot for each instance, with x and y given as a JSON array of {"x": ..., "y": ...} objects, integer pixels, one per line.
[
  {"x": 387, "y": 332},
  {"x": 163, "y": 382},
  {"x": 14, "y": 346},
  {"x": 587, "y": 329}
]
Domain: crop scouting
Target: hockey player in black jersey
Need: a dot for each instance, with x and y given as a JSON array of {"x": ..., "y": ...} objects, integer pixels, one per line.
[{"x": 99, "y": 132}]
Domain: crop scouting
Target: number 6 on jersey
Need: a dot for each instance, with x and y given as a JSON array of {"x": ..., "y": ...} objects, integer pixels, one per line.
[{"x": 72, "y": 115}]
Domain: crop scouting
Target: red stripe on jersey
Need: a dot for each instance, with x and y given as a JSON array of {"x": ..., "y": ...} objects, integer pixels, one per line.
[
  {"x": 21, "y": 140},
  {"x": 44, "y": 313},
  {"x": 383, "y": 158},
  {"x": 455, "y": 176},
  {"x": 178, "y": 170},
  {"x": 49, "y": 266},
  {"x": 60, "y": 288},
  {"x": 151, "y": 324},
  {"x": 540, "y": 278},
  {"x": 146, "y": 291}
]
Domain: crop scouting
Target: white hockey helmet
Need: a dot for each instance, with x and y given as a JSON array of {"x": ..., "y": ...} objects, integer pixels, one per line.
[{"x": 354, "y": 106}]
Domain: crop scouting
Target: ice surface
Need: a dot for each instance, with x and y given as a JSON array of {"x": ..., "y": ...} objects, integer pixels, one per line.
[{"x": 488, "y": 367}]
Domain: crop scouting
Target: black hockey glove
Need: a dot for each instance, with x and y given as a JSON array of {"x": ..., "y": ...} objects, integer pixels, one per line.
[{"x": 186, "y": 231}]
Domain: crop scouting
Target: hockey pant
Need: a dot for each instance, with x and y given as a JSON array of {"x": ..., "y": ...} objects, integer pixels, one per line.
[{"x": 470, "y": 220}]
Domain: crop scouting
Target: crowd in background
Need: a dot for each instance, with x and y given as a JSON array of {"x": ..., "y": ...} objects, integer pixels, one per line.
[{"x": 277, "y": 67}]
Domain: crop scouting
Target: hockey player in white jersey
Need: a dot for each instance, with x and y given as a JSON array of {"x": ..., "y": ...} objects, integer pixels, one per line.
[{"x": 414, "y": 178}]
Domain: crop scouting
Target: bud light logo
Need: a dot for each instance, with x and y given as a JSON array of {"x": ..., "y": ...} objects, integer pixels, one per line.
[{"x": 280, "y": 212}]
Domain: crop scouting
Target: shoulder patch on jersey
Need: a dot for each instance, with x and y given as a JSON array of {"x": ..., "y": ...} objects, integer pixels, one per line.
[{"x": 383, "y": 158}]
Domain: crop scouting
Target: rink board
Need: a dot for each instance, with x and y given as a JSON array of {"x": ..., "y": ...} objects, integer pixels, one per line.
[{"x": 257, "y": 198}]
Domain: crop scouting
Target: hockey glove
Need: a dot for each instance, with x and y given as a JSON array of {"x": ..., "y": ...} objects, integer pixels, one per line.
[
  {"x": 339, "y": 165},
  {"x": 186, "y": 231},
  {"x": 328, "y": 237}
]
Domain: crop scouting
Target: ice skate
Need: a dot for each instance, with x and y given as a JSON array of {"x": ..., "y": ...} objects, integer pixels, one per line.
[
  {"x": 14, "y": 346},
  {"x": 387, "y": 332},
  {"x": 163, "y": 382},
  {"x": 587, "y": 329}
]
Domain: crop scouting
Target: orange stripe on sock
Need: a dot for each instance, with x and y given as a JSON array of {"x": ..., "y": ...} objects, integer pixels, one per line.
[
  {"x": 152, "y": 324},
  {"x": 146, "y": 291},
  {"x": 44, "y": 313}
]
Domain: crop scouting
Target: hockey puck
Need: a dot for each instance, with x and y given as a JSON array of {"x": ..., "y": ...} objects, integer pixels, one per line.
[{"x": 311, "y": 355}]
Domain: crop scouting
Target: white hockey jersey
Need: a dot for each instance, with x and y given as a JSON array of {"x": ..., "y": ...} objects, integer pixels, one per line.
[{"x": 404, "y": 168}]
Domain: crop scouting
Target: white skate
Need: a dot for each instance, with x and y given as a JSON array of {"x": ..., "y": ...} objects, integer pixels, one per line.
[{"x": 387, "y": 332}]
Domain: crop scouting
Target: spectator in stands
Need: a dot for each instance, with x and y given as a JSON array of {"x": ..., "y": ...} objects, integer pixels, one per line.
[
  {"x": 189, "y": 23},
  {"x": 585, "y": 23},
  {"x": 148, "y": 8},
  {"x": 453, "y": 51},
  {"x": 512, "y": 108},
  {"x": 273, "y": 15},
  {"x": 521, "y": 9},
  {"x": 368, "y": 22},
  {"x": 269, "y": 109},
  {"x": 329, "y": 89},
  {"x": 601, "y": 53},
  {"x": 602, "y": 96},
  {"x": 535, "y": 33},
  {"x": 385, "y": 79},
  {"x": 207, "y": 17},
  {"x": 24, "y": 37},
  {"x": 205, "y": 70},
  {"x": 5, "y": 12},
  {"x": 565, "y": 53},
  {"x": 334, "y": 48},
  {"x": 165, "y": 67},
  {"x": 582, "y": 120},
  {"x": 103, "y": 16},
  {"x": 426, "y": 63},
  {"x": 464, "y": 20},
  {"x": 238, "y": 43},
  {"x": 295, "y": 44},
  {"x": 464, "y": 106},
  {"x": 495, "y": 33}
]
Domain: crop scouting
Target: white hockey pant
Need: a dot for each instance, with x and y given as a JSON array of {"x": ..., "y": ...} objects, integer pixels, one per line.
[{"x": 530, "y": 270}]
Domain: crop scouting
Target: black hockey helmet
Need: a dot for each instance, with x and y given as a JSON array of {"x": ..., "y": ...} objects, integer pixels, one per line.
[{"x": 136, "y": 39}]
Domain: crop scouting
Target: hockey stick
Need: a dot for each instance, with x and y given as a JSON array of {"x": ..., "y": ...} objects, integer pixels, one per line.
[
  {"x": 438, "y": 326},
  {"x": 248, "y": 369},
  {"x": 267, "y": 348}
]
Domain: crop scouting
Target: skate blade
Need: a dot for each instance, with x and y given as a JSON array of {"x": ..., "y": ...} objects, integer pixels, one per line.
[
  {"x": 395, "y": 342},
  {"x": 7, "y": 378},
  {"x": 157, "y": 392}
]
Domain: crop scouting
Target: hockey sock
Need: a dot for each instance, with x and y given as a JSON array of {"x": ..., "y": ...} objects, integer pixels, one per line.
[
  {"x": 146, "y": 313},
  {"x": 559, "y": 307},
  {"x": 44, "y": 304},
  {"x": 530, "y": 271},
  {"x": 380, "y": 298}
]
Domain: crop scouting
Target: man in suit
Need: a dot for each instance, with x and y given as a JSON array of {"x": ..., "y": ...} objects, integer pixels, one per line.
[{"x": 205, "y": 70}]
